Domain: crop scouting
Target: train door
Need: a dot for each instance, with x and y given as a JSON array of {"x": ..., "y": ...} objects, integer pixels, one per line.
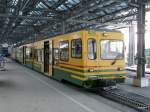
[
  {"x": 24, "y": 51},
  {"x": 46, "y": 57},
  {"x": 50, "y": 58}
]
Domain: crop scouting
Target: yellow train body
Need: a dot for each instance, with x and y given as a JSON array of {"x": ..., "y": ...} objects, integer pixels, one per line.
[{"x": 87, "y": 58}]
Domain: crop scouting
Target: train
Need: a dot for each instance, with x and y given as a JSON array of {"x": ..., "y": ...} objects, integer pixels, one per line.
[
  {"x": 4, "y": 51},
  {"x": 87, "y": 58}
]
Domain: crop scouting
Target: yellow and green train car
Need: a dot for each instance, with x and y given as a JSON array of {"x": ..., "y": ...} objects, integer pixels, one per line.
[{"x": 86, "y": 58}]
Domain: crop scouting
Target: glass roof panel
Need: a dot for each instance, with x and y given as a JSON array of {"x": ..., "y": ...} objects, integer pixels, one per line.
[
  {"x": 15, "y": 2},
  {"x": 40, "y": 5},
  {"x": 52, "y": 0},
  {"x": 62, "y": 7},
  {"x": 73, "y": 1}
]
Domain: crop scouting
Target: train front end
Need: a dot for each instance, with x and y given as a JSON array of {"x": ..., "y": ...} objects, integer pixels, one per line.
[{"x": 105, "y": 62}]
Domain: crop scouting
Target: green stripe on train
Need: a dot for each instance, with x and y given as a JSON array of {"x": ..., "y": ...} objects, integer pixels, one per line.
[
  {"x": 64, "y": 75},
  {"x": 99, "y": 75},
  {"x": 83, "y": 71}
]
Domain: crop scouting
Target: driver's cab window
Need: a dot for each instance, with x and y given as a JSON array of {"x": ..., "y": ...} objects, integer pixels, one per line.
[{"x": 112, "y": 49}]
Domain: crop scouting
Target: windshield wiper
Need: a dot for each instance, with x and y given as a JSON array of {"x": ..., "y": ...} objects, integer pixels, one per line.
[{"x": 115, "y": 59}]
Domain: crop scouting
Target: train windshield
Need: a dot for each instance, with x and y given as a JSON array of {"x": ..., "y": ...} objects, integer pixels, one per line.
[{"x": 112, "y": 49}]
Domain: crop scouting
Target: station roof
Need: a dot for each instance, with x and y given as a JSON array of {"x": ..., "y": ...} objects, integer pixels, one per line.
[{"x": 27, "y": 20}]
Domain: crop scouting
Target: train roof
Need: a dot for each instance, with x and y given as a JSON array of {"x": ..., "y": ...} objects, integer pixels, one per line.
[
  {"x": 102, "y": 30},
  {"x": 87, "y": 29}
]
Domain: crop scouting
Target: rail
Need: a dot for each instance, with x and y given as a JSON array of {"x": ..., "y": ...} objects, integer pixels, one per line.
[{"x": 133, "y": 100}]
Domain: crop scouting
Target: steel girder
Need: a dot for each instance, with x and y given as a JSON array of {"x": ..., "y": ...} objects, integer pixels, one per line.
[{"x": 52, "y": 17}]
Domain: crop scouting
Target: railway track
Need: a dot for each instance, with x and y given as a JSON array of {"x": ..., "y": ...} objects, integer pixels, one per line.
[{"x": 133, "y": 100}]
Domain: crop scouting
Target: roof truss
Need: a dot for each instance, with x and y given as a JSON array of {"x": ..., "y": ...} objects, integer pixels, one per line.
[{"x": 22, "y": 20}]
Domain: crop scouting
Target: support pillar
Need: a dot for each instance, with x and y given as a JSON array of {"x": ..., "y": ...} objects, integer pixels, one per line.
[
  {"x": 131, "y": 45},
  {"x": 140, "y": 80}
]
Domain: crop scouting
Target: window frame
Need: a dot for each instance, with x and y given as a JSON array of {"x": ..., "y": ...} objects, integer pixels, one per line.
[
  {"x": 50, "y": 53},
  {"x": 30, "y": 55},
  {"x": 39, "y": 55},
  {"x": 35, "y": 55},
  {"x": 88, "y": 49},
  {"x": 112, "y": 40},
  {"x": 60, "y": 51},
  {"x": 81, "y": 48}
]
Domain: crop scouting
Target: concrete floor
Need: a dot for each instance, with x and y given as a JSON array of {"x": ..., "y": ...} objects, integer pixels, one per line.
[{"x": 24, "y": 90}]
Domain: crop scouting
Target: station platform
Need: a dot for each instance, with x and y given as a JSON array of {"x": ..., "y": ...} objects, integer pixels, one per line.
[
  {"x": 24, "y": 90},
  {"x": 134, "y": 68}
]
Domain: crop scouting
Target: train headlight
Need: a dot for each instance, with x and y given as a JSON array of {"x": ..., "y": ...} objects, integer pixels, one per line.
[
  {"x": 91, "y": 70},
  {"x": 120, "y": 69},
  {"x": 105, "y": 34}
]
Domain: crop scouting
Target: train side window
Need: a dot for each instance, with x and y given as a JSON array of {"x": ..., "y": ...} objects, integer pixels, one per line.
[
  {"x": 50, "y": 53},
  {"x": 76, "y": 48},
  {"x": 91, "y": 48},
  {"x": 64, "y": 50},
  {"x": 39, "y": 54},
  {"x": 42, "y": 55},
  {"x": 56, "y": 56},
  {"x": 28, "y": 53},
  {"x": 35, "y": 55}
]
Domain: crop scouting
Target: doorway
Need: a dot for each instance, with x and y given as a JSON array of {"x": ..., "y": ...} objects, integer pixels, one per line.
[
  {"x": 24, "y": 54},
  {"x": 46, "y": 57}
]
